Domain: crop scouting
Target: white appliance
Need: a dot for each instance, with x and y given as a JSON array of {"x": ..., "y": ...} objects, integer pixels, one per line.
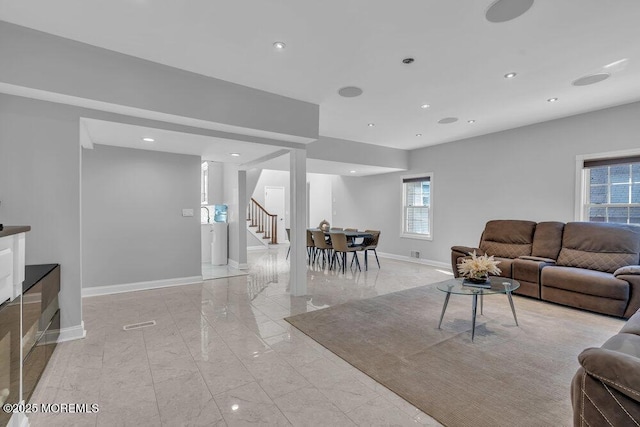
[{"x": 219, "y": 242}]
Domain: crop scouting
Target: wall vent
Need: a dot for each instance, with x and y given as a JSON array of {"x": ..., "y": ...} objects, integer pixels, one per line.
[
  {"x": 415, "y": 254},
  {"x": 139, "y": 325}
]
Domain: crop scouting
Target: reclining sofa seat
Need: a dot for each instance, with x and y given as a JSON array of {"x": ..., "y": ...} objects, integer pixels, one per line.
[{"x": 584, "y": 273}]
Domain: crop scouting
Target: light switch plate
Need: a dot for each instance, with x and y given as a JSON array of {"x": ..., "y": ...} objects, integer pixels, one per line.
[{"x": 187, "y": 212}]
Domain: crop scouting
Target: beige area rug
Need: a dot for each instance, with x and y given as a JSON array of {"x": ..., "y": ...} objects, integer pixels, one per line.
[{"x": 509, "y": 376}]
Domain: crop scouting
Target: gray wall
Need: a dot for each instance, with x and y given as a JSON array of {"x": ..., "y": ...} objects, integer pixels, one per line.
[
  {"x": 132, "y": 224},
  {"x": 40, "y": 187},
  {"x": 341, "y": 150},
  {"x": 216, "y": 183},
  {"x": 524, "y": 173}
]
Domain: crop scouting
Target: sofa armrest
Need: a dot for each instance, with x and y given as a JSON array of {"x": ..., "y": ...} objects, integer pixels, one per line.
[
  {"x": 538, "y": 258},
  {"x": 634, "y": 293},
  {"x": 458, "y": 252},
  {"x": 617, "y": 370},
  {"x": 627, "y": 269},
  {"x": 466, "y": 250}
]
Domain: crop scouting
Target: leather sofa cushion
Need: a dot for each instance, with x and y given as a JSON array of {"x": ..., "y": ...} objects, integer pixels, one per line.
[
  {"x": 505, "y": 266},
  {"x": 528, "y": 270},
  {"x": 599, "y": 246},
  {"x": 547, "y": 239},
  {"x": 584, "y": 281},
  {"x": 507, "y": 238}
]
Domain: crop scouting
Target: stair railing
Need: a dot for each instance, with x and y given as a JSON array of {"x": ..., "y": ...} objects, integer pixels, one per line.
[{"x": 264, "y": 221}]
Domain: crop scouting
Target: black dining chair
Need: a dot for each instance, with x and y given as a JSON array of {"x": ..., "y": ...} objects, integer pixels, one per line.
[{"x": 370, "y": 244}]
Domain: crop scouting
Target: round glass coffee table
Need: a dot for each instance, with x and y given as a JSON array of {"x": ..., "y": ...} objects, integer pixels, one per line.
[{"x": 498, "y": 285}]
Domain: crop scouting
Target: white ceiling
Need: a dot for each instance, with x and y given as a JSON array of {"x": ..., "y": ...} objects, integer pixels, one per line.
[
  {"x": 209, "y": 148},
  {"x": 460, "y": 57}
]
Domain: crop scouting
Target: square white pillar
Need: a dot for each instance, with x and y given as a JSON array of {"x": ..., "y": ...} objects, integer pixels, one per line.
[{"x": 298, "y": 177}]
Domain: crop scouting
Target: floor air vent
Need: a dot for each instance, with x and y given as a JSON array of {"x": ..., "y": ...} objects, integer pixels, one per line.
[{"x": 139, "y": 325}]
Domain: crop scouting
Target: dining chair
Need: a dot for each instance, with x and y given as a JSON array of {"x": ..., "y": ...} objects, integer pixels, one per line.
[
  {"x": 351, "y": 240},
  {"x": 322, "y": 246},
  {"x": 335, "y": 229},
  {"x": 370, "y": 244},
  {"x": 341, "y": 249},
  {"x": 311, "y": 247}
]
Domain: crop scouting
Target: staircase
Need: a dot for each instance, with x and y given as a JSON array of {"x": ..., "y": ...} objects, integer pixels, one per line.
[{"x": 262, "y": 223}]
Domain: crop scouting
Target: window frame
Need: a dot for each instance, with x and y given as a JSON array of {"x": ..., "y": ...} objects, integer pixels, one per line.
[
  {"x": 583, "y": 184},
  {"x": 403, "y": 232}
]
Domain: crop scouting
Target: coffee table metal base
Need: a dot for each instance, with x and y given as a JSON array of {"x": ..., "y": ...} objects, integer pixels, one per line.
[{"x": 474, "y": 306}]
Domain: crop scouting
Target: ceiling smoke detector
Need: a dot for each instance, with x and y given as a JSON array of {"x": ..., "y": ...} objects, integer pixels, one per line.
[
  {"x": 506, "y": 10},
  {"x": 350, "y": 91}
]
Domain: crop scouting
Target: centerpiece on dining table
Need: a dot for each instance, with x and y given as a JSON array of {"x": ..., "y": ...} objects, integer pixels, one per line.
[{"x": 476, "y": 270}]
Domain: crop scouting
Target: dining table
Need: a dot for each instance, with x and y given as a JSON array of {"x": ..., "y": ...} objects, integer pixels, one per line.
[{"x": 351, "y": 236}]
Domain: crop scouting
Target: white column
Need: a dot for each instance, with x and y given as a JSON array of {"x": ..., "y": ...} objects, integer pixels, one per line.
[
  {"x": 298, "y": 177},
  {"x": 242, "y": 210}
]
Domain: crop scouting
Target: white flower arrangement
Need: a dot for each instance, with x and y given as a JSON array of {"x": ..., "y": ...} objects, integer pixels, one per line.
[{"x": 478, "y": 267}]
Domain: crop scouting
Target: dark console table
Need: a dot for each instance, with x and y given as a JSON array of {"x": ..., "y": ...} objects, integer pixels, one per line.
[{"x": 40, "y": 322}]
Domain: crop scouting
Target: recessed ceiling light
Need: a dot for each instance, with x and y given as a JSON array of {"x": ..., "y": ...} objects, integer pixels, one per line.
[
  {"x": 506, "y": 10},
  {"x": 447, "y": 120},
  {"x": 371, "y": 125},
  {"x": 552, "y": 99},
  {"x": 471, "y": 121},
  {"x": 425, "y": 106},
  {"x": 235, "y": 154},
  {"x": 352, "y": 171},
  {"x": 418, "y": 134},
  {"x": 148, "y": 139},
  {"x": 510, "y": 75},
  {"x": 279, "y": 45},
  {"x": 591, "y": 79},
  {"x": 350, "y": 91}
]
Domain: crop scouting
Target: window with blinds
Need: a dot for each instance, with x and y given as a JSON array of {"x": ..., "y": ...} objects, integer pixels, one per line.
[
  {"x": 416, "y": 217},
  {"x": 612, "y": 190}
]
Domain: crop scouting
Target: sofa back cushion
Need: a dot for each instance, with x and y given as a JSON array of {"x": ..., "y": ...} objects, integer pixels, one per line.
[
  {"x": 599, "y": 246},
  {"x": 547, "y": 239},
  {"x": 508, "y": 238}
]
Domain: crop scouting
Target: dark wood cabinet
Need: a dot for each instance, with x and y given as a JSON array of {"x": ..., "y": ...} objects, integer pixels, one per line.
[{"x": 40, "y": 322}]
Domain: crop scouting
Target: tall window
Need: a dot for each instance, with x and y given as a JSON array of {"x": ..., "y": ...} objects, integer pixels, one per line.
[
  {"x": 416, "y": 209},
  {"x": 204, "y": 183},
  {"x": 612, "y": 190}
]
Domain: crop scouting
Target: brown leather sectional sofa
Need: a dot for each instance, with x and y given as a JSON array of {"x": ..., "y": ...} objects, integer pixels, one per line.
[
  {"x": 606, "y": 389},
  {"x": 587, "y": 265}
]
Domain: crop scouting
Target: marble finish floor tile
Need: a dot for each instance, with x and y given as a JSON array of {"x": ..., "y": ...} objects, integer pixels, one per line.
[{"x": 221, "y": 354}]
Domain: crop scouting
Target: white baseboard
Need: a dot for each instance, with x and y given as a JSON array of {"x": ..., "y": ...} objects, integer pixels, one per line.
[
  {"x": 235, "y": 264},
  {"x": 256, "y": 248},
  {"x": 139, "y": 286},
  {"x": 432, "y": 263},
  {"x": 73, "y": 333}
]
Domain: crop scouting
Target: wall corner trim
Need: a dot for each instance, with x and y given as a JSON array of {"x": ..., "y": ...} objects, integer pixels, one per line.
[
  {"x": 238, "y": 266},
  {"x": 72, "y": 333},
  {"x": 139, "y": 286}
]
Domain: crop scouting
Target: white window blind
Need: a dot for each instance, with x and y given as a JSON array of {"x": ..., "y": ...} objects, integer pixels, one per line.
[{"x": 417, "y": 207}]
